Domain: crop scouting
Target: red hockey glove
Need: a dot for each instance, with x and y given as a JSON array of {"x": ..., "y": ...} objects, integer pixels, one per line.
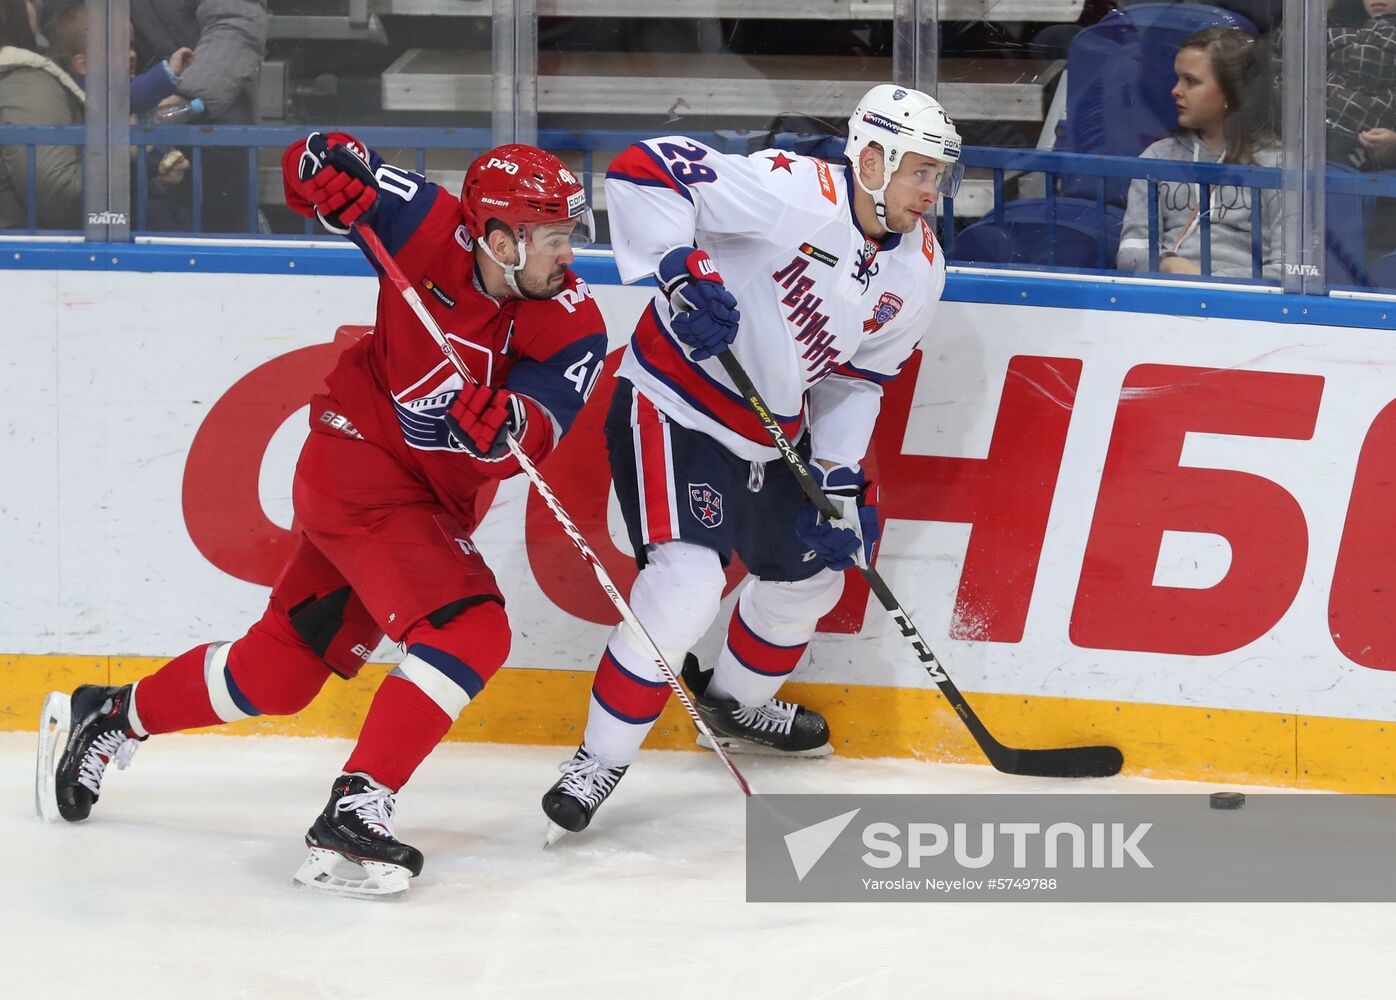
[
  {"x": 480, "y": 417},
  {"x": 331, "y": 176}
]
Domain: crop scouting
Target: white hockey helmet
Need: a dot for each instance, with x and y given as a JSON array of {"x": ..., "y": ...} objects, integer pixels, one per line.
[{"x": 902, "y": 120}]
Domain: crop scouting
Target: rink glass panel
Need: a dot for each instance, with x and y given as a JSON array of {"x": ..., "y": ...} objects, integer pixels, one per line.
[{"x": 1049, "y": 157}]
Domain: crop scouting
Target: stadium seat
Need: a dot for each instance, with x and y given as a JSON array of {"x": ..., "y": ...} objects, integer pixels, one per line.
[
  {"x": 1024, "y": 237},
  {"x": 1382, "y": 273},
  {"x": 1345, "y": 226}
]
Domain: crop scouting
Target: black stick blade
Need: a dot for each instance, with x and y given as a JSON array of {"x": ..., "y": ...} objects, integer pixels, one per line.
[{"x": 1066, "y": 762}]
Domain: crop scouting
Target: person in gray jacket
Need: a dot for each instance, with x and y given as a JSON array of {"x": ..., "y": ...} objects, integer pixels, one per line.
[
  {"x": 1222, "y": 118},
  {"x": 229, "y": 39},
  {"x": 35, "y": 91}
]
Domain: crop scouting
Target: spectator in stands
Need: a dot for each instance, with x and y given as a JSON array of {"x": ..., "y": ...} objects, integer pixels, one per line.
[
  {"x": 36, "y": 91},
  {"x": 1223, "y": 117},
  {"x": 1380, "y": 144},
  {"x": 65, "y": 29},
  {"x": 229, "y": 38},
  {"x": 1361, "y": 81}
]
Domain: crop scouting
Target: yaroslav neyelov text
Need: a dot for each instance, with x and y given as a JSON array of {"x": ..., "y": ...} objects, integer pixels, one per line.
[{"x": 957, "y": 885}]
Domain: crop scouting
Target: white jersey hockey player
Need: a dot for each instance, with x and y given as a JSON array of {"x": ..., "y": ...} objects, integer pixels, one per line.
[{"x": 821, "y": 278}]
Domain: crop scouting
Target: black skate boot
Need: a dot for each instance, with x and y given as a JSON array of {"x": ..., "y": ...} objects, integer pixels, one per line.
[
  {"x": 357, "y": 826},
  {"x": 777, "y": 728},
  {"x": 572, "y": 802},
  {"x": 99, "y": 732}
]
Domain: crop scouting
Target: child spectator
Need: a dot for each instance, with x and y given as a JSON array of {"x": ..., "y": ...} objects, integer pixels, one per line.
[
  {"x": 66, "y": 31},
  {"x": 1222, "y": 118}
]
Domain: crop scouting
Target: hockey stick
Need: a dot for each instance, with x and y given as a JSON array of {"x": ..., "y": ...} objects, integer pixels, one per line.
[
  {"x": 1065, "y": 762},
  {"x": 414, "y": 301}
]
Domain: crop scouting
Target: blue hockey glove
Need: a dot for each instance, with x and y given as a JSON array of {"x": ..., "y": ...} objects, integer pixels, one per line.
[
  {"x": 849, "y": 541},
  {"x": 705, "y": 312}
]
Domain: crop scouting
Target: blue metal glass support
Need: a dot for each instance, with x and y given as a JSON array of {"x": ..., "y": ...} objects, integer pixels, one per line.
[
  {"x": 196, "y": 171},
  {"x": 1258, "y": 223},
  {"x": 1151, "y": 183},
  {"x": 31, "y": 188},
  {"x": 1204, "y": 220},
  {"x": 1100, "y": 253},
  {"x": 142, "y": 188},
  {"x": 252, "y": 189}
]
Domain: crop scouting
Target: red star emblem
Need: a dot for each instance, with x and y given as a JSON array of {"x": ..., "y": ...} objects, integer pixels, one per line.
[
  {"x": 707, "y": 513},
  {"x": 780, "y": 160}
]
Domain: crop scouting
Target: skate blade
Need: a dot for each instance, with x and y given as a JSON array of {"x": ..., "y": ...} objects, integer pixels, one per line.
[
  {"x": 553, "y": 834},
  {"x": 54, "y": 722},
  {"x": 381, "y": 880},
  {"x": 738, "y": 746}
]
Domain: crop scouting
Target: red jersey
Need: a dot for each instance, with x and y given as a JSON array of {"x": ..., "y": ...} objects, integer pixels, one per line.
[{"x": 394, "y": 386}]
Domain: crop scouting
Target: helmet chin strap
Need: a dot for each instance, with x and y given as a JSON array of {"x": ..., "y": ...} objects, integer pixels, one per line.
[
  {"x": 509, "y": 269},
  {"x": 879, "y": 195}
]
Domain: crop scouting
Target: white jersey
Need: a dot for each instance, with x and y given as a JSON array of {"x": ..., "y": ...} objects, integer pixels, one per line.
[{"x": 827, "y": 316}]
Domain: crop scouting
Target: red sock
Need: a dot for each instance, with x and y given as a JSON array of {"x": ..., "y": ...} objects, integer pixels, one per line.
[
  {"x": 175, "y": 697},
  {"x": 402, "y": 727}
]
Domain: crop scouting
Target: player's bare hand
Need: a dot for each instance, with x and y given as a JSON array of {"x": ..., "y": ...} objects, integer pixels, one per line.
[
  {"x": 181, "y": 60},
  {"x": 1178, "y": 265}
]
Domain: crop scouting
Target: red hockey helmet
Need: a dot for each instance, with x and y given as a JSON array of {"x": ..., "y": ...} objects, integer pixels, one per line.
[{"x": 522, "y": 187}]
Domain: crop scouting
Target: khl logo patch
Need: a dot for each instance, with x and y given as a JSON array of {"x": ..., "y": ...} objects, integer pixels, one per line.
[{"x": 706, "y": 504}]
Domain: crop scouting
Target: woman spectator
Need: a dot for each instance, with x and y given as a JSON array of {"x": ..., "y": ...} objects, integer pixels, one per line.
[
  {"x": 35, "y": 91},
  {"x": 1222, "y": 118}
]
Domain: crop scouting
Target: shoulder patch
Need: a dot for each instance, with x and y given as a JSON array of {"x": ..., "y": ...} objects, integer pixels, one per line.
[{"x": 826, "y": 182}]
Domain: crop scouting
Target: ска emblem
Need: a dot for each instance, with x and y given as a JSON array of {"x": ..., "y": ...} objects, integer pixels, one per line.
[{"x": 706, "y": 504}]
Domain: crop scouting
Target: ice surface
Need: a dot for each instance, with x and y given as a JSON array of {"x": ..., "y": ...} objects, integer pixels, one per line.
[{"x": 180, "y": 886}]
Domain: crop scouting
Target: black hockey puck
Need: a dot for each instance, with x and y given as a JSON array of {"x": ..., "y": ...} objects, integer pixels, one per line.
[{"x": 1226, "y": 800}]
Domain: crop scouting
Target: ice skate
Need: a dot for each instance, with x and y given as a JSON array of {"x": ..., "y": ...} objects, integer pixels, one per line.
[
  {"x": 354, "y": 850},
  {"x": 571, "y": 803},
  {"x": 777, "y": 728},
  {"x": 97, "y": 731}
]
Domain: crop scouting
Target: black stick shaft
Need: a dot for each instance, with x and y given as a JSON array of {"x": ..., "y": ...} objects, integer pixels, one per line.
[{"x": 1070, "y": 761}]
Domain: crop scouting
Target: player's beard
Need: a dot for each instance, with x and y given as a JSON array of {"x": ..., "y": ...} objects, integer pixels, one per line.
[{"x": 534, "y": 287}]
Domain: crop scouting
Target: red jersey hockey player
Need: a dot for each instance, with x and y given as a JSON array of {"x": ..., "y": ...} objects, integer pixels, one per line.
[
  {"x": 385, "y": 489},
  {"x": 820, "y": 278}
]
